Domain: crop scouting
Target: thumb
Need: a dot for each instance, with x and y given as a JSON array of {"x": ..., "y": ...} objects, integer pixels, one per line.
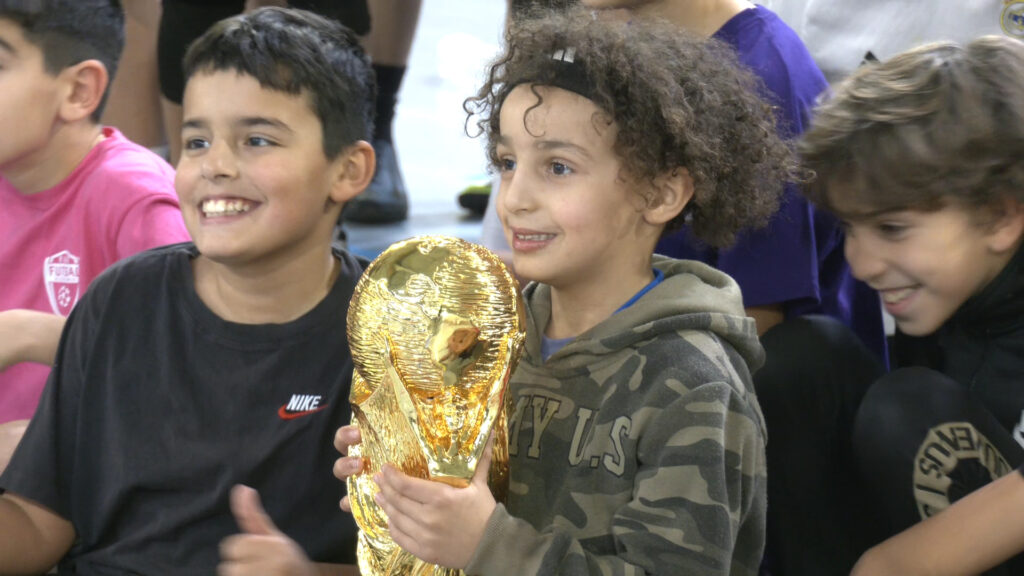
[
  {"x": 249, "y": 512},
  {"x": 483, "y": 467}
]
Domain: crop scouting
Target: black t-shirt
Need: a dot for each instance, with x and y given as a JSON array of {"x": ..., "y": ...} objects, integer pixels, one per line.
[{"x": 156, "y": 407}]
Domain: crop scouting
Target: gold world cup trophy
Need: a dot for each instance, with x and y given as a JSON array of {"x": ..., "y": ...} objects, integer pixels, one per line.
[{"x": 435, "y": 326}]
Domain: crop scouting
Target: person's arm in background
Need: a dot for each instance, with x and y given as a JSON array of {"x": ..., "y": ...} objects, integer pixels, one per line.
[
  {"x": 32, "y": 538},
  {"x": 980, "y": 531},
  {"x": 28, "y": 336},
  {"x": 25, "y": 336},
  {"x": 10, "y": 435},
  {"x": 133, "y": 102},
  {"x": 766, "y": 316}
]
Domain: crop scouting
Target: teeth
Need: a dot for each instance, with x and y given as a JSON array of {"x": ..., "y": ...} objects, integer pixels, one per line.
[
  {"x": 894, "y": 296},
  {"x": 535, "y": 237},
  {"x": 220, "y": 207}
]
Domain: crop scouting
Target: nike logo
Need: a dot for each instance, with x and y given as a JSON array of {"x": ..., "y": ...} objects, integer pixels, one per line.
[{"x": 301, "y": 405}]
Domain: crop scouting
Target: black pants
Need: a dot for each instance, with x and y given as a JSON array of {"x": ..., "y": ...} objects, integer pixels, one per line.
[
  {"x": 180, "y": 24},
  {"x": 183, "y": 21},
  {"x": 855, "y": 456}
]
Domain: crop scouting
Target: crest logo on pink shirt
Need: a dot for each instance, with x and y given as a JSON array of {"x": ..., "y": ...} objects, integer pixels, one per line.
[{"x": 60, "y": 272}]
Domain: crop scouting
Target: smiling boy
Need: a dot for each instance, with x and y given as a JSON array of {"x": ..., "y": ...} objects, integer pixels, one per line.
[
  {"x": 196, "y": 367},
  {"x": 75, "y": 196},
  {"x": 920, "y": 157},
  {"x": 924, "y": 263}
]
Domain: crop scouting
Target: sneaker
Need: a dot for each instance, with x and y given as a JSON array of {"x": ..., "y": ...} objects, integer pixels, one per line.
[
  {"x": 384, "y": 200},
  {"x": 476, "y": 196}
]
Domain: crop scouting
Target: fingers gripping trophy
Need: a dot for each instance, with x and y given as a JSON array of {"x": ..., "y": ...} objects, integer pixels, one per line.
[{"x": 435, "y": 326}]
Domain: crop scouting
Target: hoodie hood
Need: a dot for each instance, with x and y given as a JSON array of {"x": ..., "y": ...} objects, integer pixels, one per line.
[
  {"x": 605, "y": 432},
  {"x": 693, "y": 296}
]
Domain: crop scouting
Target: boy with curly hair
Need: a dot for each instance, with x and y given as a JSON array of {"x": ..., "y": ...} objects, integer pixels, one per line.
[
  {"x": 920, "y": 157},
  {"x": 636, "y": 441}
]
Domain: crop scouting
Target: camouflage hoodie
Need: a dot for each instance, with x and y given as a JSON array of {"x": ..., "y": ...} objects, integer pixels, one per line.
[{"x": 638, "y": 448}]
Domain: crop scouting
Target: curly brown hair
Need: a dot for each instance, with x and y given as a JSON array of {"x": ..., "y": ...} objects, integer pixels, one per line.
[
  {"x": 937, "y": 124},
  {"x": 677, "y": 100}
]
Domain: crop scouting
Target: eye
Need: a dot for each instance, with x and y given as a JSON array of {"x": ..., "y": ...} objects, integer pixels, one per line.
[
  {"x": 506, "y": 164},
  {"x": 196, "y": 143},
  {"x": 259, "y": 142},
  {"x": 560, "y": 169},
  {"x": 892, "y": 230}
]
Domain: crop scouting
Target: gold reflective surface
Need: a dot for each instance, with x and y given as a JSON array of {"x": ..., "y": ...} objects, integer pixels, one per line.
[{"x": 435, "y": 327}]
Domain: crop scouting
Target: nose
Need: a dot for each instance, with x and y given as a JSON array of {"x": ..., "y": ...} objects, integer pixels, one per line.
[
  {"x": 514, "y": 192},
  {"x": 218, "y": 162},
  {"x": 866, "y": 261}
]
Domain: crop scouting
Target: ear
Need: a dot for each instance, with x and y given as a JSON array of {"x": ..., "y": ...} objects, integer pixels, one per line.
[
  {"x": 352, "y": 171},
  {"x": 86, "y": 83},
  {"x": 672, "y": 192},
  {"x": 1007, "y": 228}
]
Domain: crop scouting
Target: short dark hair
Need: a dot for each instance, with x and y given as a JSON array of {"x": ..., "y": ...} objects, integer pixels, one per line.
[
  {"x": 69, "y": 32},
  {"x": 939, "y": 123},
  {"x": 295, "y": 52},
  {"x": 677, "y": 100}
]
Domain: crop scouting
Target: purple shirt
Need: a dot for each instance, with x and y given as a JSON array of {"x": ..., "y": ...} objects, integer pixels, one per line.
[{"x": 797, "y": 260}]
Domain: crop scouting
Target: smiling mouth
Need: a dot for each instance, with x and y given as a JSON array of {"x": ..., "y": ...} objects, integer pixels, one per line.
[
  {"x": 896, "y": 296},
  {"x": 533, "y": 237},
  {"x": 218, "y": 207}
]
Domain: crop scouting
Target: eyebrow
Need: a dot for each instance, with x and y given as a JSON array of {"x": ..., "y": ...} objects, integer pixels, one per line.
[
  {"x": 866, "y": 214},
  {"x": 245, "y": 122},
  {"x": 552, "y": 145},
  {"x": 257, "y": 121},
  {"x": 562, "y": 145}
]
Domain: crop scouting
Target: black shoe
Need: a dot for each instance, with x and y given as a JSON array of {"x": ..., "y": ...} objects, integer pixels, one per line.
[{"x": 384, "y": 200}]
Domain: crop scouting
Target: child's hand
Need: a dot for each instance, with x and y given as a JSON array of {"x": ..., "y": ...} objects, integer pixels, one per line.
[
  {"x": 10, "y": 435},
  {"x": 28, "y": 336},
  {"x": 344, "y": 438},
  {"x": 261, "y": 548},
  {"x": 435, "y": 522}
]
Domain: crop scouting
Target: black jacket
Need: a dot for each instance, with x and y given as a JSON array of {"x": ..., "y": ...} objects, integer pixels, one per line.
[{"x": 982, "y": 345}]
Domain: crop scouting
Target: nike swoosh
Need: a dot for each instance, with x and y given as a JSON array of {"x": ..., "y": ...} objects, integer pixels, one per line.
[{"x": 285, "y": 415}]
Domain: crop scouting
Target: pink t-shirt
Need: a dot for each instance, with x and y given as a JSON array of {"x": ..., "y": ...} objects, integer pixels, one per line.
[{"x": 120, "y": 200}]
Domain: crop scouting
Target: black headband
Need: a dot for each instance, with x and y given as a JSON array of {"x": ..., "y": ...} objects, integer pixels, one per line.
[{"x": 568, "y": 73}]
